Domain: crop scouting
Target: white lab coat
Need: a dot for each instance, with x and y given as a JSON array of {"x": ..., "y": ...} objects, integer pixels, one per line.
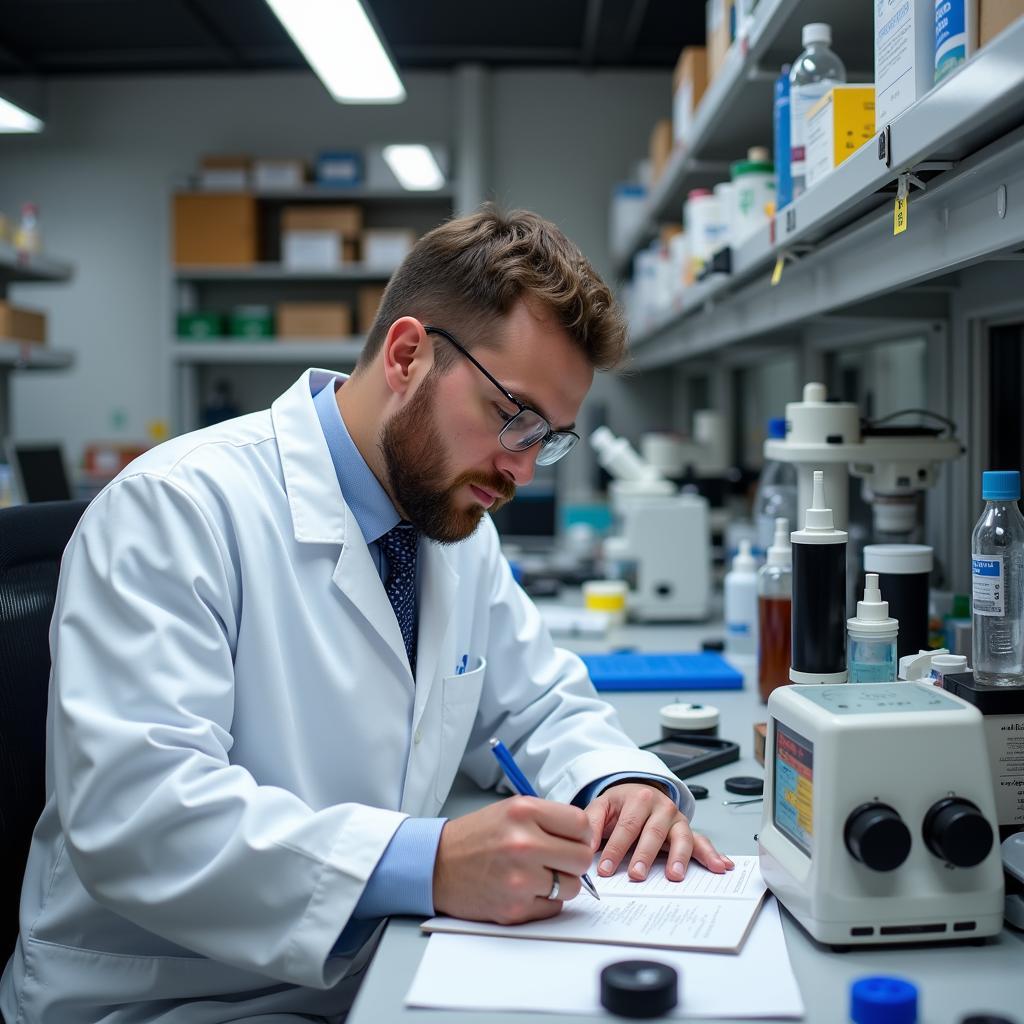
[{"x": 234, "y": 734}]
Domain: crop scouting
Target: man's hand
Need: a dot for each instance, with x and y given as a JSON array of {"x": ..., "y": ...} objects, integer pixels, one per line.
[
  {"x": 635, "y": 812},
  {"x": 497, "y": 863}
]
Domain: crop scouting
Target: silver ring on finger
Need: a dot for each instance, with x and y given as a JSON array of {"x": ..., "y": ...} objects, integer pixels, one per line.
[{"x": 555, "y": 885}]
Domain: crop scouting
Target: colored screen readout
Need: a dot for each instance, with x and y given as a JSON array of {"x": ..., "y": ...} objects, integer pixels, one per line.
[{"x": 793, "y": 809}]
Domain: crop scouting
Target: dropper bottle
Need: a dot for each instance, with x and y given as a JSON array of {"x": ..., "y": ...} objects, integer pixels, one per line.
[
  {"x": 819, "y": 594},
  {"x": 872, "y": 637},
  {"x": 775, "y": 613}
]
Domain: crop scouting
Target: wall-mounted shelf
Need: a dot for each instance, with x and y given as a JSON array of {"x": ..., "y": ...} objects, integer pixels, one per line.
[
  {"x": 736, "y": 109},
  {"x": 312, "y": 193},
  {"x": 269, "y": 351},
  {"x": 16, "y": 267},
  {"x": 279, "y": 272},
  {"x": 837, "y": 238},
  {"x": 26, "y": 355}
]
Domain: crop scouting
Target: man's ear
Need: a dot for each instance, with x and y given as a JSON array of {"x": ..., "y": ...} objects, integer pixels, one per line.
[{"x": 407, "y": 355}]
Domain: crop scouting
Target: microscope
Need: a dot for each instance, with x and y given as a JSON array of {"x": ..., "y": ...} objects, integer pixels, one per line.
[
  {"x": 662, "y": 547},
  {"x": 896, "y": 464}
]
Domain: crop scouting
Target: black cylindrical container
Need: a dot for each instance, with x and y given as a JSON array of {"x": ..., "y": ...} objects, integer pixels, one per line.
[
  {"x": 903, "y": 573},
  {"x": 819, "y": 596}
]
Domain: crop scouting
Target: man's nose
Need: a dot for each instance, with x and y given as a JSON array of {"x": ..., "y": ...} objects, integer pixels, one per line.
[{"x": 518, "y": 466}]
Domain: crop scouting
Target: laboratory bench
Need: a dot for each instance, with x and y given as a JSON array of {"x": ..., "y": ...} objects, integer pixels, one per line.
[{"x": 953, "y": 980}]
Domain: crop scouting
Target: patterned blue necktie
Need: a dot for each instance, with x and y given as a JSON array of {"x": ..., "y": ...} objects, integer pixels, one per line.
[{"x": 399, "y": 545}]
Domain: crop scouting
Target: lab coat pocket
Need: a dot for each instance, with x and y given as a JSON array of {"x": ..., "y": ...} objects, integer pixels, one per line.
[{"x": 459, "y": 702}]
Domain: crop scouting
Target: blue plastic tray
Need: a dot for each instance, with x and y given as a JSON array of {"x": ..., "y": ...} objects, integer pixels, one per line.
[{"x": 691, "y": 671}]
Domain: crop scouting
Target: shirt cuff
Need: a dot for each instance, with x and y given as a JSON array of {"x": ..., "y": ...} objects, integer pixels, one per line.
[{"x": 598, "y": 786}]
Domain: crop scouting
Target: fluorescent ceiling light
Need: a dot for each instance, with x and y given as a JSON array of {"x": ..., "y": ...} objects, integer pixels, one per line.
[
  {"x": 342, "y": 47},
  {"x": 414, "y": 167},
  {"x": 14, "y": 119}
]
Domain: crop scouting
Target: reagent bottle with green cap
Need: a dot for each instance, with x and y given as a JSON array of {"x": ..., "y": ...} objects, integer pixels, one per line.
[{"x": 997, "y": 582}]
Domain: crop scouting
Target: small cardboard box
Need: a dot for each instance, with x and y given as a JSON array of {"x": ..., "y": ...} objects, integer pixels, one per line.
[
  {"x": 385, "y": 248},
  {"x": 340, "y": 169},
  {"x": 313, "y": 320},
  {"x": 660, "y": 148},
  {"x": 200, "y": 325},
  {"x": 367, "y": 303},
  {"x": 689, "y": 81},
  {"x": 718, "y": 15},
  {"x": 345, "y": 218},
  {"x": 838, "y": 125},
  {"x": 215, "y": 229},
  {"x": 904, "y": 56},
  {"x": 760, "y": 739},
  {"x": 275, "y": 175},
  {"x": 312, "y": 250},
  {"x": 18, "y": 324},
  {"x": 251, "y": 322},
  {"x": 995, "y": 15},
  {"x": 224, "y": 173}
]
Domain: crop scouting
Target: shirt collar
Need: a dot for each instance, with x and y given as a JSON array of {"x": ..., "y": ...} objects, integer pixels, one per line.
[{"x": 364, "y": 495}]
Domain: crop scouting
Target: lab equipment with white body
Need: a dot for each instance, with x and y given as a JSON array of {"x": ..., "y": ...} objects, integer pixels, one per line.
[
  {"x": 663, "y": 536},
  {"x": 895, "y": 463},
  {"x": 879, "y": 817}
]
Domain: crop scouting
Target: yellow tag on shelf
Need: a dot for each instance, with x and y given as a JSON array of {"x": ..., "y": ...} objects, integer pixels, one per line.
[
  {"x": 899, "y": 215},
  {"x": 157, "y": 430},
  {"x": 777, "y": 272}
]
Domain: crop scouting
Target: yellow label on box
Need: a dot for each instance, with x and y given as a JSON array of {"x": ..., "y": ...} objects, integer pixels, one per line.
[{"x": 840, "y": 123}]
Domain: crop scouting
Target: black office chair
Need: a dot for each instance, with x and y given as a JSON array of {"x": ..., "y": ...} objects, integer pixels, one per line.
[{"x": 32, "y": 540}]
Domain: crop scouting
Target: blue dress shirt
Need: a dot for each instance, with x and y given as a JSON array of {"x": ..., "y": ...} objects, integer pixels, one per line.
[{"x": 402, "y": 881}]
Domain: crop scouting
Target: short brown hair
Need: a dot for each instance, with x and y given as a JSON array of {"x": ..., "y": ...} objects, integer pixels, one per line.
[{"x": 473, "y": 269}]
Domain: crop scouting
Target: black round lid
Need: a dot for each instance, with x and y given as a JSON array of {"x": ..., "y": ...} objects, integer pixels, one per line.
[
  {"x": 745, "y": 785},
  {"x": 699, "y": 792},
  {"x": 639, "y": 988},
  {"x": 986, "y": 1018}
]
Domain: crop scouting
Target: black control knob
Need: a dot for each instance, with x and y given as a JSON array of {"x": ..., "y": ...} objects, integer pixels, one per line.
[
  {"x": 956, "y": 831},
  {"x": 876, "y": 836}
]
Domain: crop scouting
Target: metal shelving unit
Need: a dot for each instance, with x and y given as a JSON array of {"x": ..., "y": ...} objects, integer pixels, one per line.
[
  {"x": 735, "y": 111},
  {"x": 268, "y": 351},
  {"x": 279, "y": 272},
  {"x": 965, "y": 143},
  {"x": 17, "y": 356}
]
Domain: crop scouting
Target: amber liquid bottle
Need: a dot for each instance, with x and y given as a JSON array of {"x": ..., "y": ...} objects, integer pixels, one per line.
[{"x": 775, "y": 613}]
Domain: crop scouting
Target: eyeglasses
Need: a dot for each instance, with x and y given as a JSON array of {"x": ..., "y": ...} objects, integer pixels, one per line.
[{"x": 527, "y": 427}]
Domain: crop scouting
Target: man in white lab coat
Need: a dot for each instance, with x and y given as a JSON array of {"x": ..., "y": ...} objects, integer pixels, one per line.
[{"x": 275, "y": 642}]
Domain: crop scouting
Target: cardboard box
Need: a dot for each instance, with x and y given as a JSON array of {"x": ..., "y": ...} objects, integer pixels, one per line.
[
  {"x": 718, "y": 15},
  {"x": 311, "y": 250},
  {"x": 274, "y": 175},
  {"x": 345, "y": 218},
  {"x": 367, "y": 302},
  {"x": 251, "y": 322},
  {"x": 215, "y": 229},
  {"x": 224, "y": 173},
  {"x": 18, "y": 324},
  {"x": 313, "y": 320},
  {"x": 385, "y": 248},
  {"x": 660, "y": 148},
  {"x": 200, "y": 325},
  {"x": 904, "y": 56},
  {"x": 340, "y": 169},
  {"x": 689, "y": 81},
  {"x": 838, "y": 125},
  {"x": 995, "y": 15}
]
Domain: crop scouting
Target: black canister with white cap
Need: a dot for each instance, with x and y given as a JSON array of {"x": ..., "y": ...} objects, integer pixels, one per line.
[{"x": 903, "y": 574}]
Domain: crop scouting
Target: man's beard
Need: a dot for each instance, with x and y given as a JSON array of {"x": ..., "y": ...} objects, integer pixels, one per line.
[{"x": 414, "y": 455}]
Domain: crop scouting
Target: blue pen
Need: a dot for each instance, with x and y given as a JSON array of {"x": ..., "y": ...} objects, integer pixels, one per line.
[{"x": 521, "y": 784}]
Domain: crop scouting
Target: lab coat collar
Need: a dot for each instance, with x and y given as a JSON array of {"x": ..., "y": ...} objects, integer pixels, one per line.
[{"x": 321, "y": 516}]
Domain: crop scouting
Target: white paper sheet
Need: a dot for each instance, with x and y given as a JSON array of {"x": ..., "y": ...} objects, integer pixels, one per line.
[
  {"x": 472, "y": 972},
  {"x": 704, "y": 911}
]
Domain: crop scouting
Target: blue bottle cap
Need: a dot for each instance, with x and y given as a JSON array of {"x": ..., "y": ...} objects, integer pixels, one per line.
[
  {"x": 883, "y": 1000},
  {"x": 777, "y": 428},
  {"x": 1003, "y": 485}
]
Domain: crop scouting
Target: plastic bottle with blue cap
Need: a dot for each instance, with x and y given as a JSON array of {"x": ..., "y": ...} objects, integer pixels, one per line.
[
  {"x": 997, "y": 579},
  {"x": 883, "y": 1000}
]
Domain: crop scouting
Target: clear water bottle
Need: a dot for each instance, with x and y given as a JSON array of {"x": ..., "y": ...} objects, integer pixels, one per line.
[
  {"x": 997, "y": 578},
  {"x": 815, "y": 71},
  {"x": 776, "y": 495}
]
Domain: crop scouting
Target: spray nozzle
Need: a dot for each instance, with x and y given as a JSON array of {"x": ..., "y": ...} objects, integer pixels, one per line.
[
  {"x": 818, "y": 516},
  {"x": 872, "y": 611},
  {"x": 744, "y": 561},
  {"x": 781, "y": 552}
]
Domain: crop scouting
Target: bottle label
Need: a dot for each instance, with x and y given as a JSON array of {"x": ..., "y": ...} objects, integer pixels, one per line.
[{"x": 988, "y": 596}]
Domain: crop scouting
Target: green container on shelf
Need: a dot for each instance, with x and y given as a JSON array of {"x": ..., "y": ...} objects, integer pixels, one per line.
[
  {"x": 198, "y": 326},
  {"x": 251, "y": 322}
]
